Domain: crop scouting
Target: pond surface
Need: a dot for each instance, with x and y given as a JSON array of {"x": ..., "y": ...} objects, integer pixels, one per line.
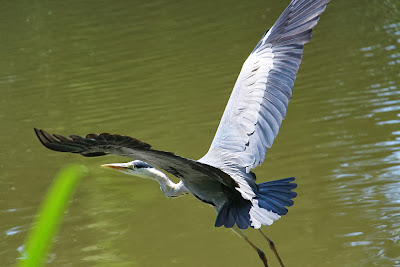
[{"x": 162, "y": 71}]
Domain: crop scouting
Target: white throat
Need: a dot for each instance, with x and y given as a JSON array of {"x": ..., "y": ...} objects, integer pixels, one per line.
[{"x": 169, "y": 188}]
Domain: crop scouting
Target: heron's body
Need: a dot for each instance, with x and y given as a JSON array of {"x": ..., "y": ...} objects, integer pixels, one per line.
[
  {"x": 249, "y": 125},
  {"x": 211, "y": 193}
]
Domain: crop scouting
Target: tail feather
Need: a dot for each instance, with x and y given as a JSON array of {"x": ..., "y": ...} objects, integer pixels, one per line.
[
  {"x": 282, "y": 199},
  {"x": 243, "y": 219},
  {"x": 231, "y": 219},
  {"x": 269, "y": 205},
  {"x": 222, "y": 216},
  {"x": 282, "y": 193},
  {"x": 234, "y": 213},
  {"x": 276, "y": 195}
]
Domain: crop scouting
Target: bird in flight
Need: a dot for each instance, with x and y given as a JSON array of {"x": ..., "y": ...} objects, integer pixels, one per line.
[{"x": 249, "y": 125}]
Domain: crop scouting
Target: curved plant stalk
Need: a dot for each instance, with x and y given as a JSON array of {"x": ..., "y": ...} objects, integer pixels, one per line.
[{"x": 50, "y": 216}]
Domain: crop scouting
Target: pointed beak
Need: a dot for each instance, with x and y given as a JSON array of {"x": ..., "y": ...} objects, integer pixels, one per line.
[{"x": 115, "y": 166}]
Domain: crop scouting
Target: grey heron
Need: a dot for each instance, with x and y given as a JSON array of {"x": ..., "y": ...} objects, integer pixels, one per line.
[{"x": 249, "y": 125}]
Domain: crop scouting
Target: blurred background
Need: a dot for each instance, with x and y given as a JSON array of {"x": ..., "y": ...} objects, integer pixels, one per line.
[{"x": 162, "y": 71}]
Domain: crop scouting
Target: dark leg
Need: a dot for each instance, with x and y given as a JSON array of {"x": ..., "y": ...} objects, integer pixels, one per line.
[
  {"x": 260, "y": 253},
  {"x": 273, "y": 248}
]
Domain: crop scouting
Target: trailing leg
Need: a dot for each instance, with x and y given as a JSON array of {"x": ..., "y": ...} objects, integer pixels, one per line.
[
  {"x": 273, "y": 248},
  {"x": 260, "y": 253}
]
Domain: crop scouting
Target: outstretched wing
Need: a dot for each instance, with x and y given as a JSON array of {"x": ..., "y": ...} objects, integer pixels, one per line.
[
  {"x": 260, "y": 97},
  {"x": 103, "y": 144}
]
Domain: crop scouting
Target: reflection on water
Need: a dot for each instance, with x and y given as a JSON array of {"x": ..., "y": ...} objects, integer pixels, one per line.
[
  {"x": 369, "y": 177},
  {"x": 162, "y": 72}
]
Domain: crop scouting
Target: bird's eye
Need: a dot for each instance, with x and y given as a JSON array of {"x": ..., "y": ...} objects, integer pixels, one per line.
[{"x": 132, "y": 167}]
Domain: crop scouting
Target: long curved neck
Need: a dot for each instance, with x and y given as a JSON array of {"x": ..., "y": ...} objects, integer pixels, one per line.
[{"x": 169, "y": 188}]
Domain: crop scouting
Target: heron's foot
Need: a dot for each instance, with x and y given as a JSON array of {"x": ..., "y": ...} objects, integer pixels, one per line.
[
  {"x": 262, "y": 256},
  {"x": 260, "y": 253},
  {"x": 273, "y": 247}
]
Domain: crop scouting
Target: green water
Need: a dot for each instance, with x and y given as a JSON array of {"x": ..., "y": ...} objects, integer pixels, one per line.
[{"x": 162, "y": 71}]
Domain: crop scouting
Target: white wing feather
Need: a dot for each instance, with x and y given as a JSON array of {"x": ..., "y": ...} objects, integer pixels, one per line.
[{"x": 260, "y": 97}]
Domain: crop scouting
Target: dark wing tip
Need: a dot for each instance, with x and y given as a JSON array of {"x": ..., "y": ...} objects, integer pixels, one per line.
[
  {"x": 90, "y": 146},
  {"x": 43, "y": 137},
  {"x": 57, "y": 142},
  {"x": 295, "y": 24}
]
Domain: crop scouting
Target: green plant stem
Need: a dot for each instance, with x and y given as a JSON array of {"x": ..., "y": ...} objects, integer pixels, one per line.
[{"x": 49, "y": 218}]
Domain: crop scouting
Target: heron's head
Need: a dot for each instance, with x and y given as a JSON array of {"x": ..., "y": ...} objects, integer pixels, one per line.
[{"x": 136, "y": 168}]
